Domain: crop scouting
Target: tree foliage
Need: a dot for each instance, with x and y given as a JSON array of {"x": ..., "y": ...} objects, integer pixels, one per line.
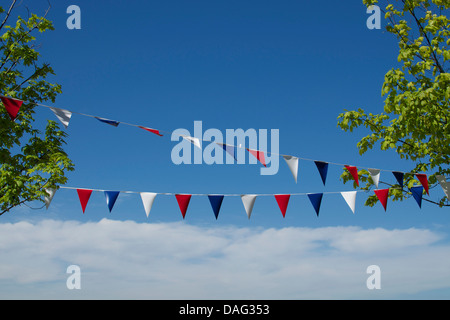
[
  {"x": 416, "y": 116},
  {"x": 30, "y": 159}
]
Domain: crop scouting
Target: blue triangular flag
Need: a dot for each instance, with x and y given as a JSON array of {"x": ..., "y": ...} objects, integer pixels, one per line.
[
  {"x": 230, "y": 149},
  {"x": 399, "y": 177},
  {"x": 216, "y": 203},
  {"x": 316, "y": 199},
  {"x": 111, "y": 197},
  {"x": 107, "y": 121},
  {"x": 417, "y": 193},
  {"x": 323, "y": 169}
]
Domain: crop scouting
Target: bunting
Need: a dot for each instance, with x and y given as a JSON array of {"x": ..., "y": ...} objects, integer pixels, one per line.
[
  {"x": 292, "y": 163},
  {"x": 111, "y": 197},
  {"x": 183, "y": 202},
  {"x": 249, "y": 201},
  {"x": 147, "y": 200},
  {"x": 354, "y": 172},
  {"x": 323, "y": 169},
  {"x": 283, "y": 201},
  {"x": 12, "y": 106},
  {"x": 107, "y": 121},
  {"x": 151, "y": 130},
  {"x": 50, "y": 193},
  {"x": 417, "y": 193},
  {"x": 444, "y": 184},
  {"x": 399, "y": 176},
  {"x": 231, "y": 150},
  {"x": 316, "y": 200},
  {"x": 62, "y": 115},
  {"x": 194, "y": 141},
  {"x": 350, "y": 199},
  {"x": 423, "y": 180},
  {"x": 216, "y": 203},
  {"x": 258, "y": 155},
  {"x": 375, "y": 175},
  {"x": 382, "y": 195},
  {"x": 84, "y": 195}
]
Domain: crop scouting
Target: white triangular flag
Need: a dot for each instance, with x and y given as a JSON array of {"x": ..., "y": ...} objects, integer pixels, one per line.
[
  {"x": 350, "y": 198},
  {"x": 248, "y": 200},
  {"x": 194, "y": 141},
  {"x": 375, "y": 175},
  {"x": 292, "y": 162},
  {"x": 444, "y": 184},
  {"x": 147, "y": 200},
  {"x": 63, "y": 115},
  {"x": 50, "y": 193}
]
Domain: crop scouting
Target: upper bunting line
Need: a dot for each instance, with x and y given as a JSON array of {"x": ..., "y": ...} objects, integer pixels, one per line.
[{"x": 13, "y": 105}]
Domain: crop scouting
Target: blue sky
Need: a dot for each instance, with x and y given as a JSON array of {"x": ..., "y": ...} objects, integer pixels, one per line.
[{"x": 289, "y": 65}]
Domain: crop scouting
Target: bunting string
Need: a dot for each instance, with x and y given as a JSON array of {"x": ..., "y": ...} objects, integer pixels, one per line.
[
  {"x": 216, "y": 200},
  {"x": 13, "y": 105}
]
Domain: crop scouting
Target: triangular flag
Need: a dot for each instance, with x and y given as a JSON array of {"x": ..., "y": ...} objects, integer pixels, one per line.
[
  {"x": 417, "y": 193},
  {"x": 375, "y": 175},
  {"x": 444, "y": 184},
  {"x": 292, "y": 163},
  {"x": 107, "y": 121},
  {"x": 50, "y": 193},
  {"x": 399, "y": 176},
  {"x": 283, "y": 201},
  {"x": 382, "y": 195},
  {"x": 216, "y": 203},
  {"x": 12, "y": 106},
  {"x": 350, "y": 198},
  {"x": 183, "y": 202},
  {"x": 258, "y": 155},
  {"x": 84, "y": 195},
  {"x": 62, "y": 115},
  {"x": 229, "y": 149},
  {"x": 151, "y": 130},
  {"x": 249, "y": 201},
  {"x": 423, "y": 180},
  {"x": 323, "y": 170},
  {"x": 354, "y": 172},
  {"x": 194, "y": 141},
  {"x": 147, "y": 201},
  {"x": 111, "y": 197},
  {"x": 316, "y": 200}
]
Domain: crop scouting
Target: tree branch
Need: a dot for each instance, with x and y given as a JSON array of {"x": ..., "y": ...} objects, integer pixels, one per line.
[
  {"x": 8, "y": 13},
  {"x": 438, "y": 65}
]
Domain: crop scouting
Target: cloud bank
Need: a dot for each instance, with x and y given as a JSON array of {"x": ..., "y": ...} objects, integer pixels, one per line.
[{"x": 130, "y": 260}]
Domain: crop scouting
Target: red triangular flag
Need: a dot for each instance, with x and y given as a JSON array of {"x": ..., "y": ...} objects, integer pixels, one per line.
[
  {"x": 258, "y": 155},
  {"x": 382, "y": 196},
  {"x": 12, "y": 106},
  {"x": 283, "y": 200},
  {"x": 354, "y": 172},
  {"x": 183, "y": 202},
  {"x": 151, "y": 130},
  {"x": 423, "y": 180},
  {"x": 84, "y": 195}
]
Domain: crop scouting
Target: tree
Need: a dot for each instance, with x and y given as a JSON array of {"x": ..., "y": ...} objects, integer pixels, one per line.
[
  {"x": 31, "y": 160},
  {"x": 416, "y": 116}
]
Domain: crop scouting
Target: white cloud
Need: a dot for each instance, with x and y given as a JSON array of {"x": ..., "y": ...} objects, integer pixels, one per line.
[{"x": 125, "y": 259}]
